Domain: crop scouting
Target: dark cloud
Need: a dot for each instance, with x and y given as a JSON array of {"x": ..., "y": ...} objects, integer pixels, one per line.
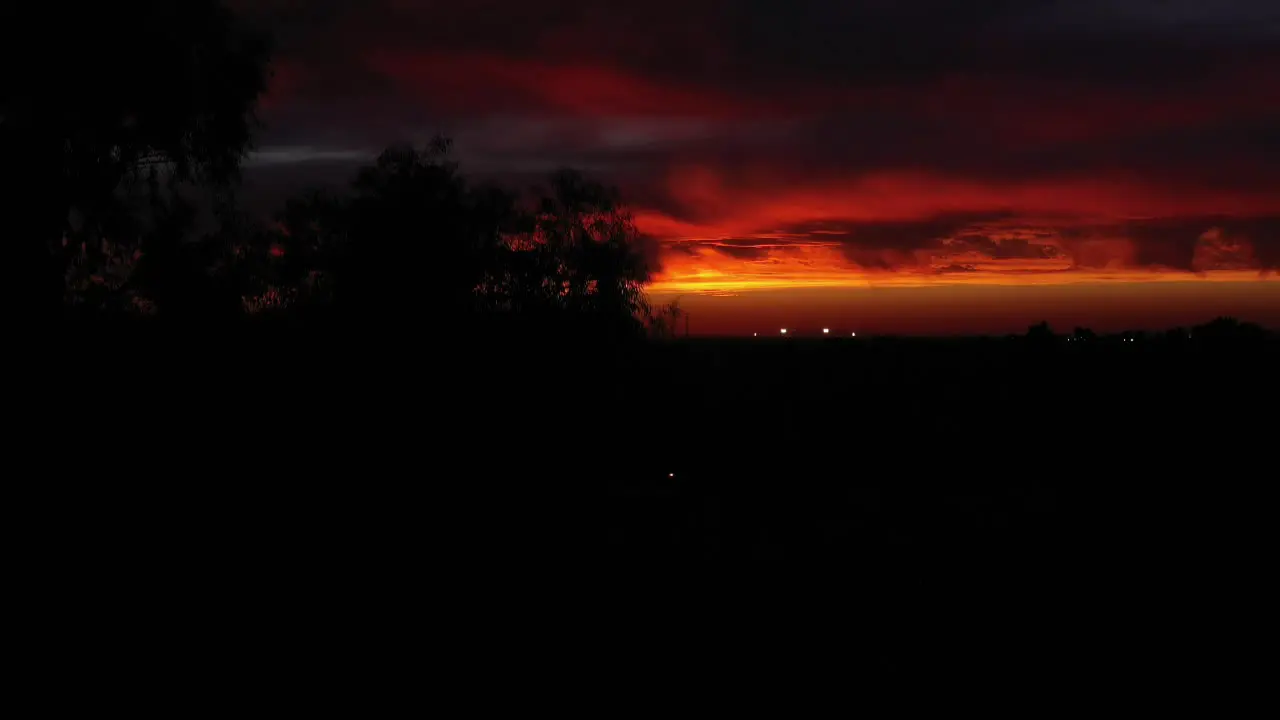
[
  {"x": 1167, "y": 242},
  {"x": 827, "y": 53},
  {"x": 1204, "y": 243},
  {"x": 1007, "y": 248},
  {"x": 743, "y": 252},
  {"x": 891, "y": 244},
  {"x": 749, "y": 249},
  {"x": 907, "y": 235}
]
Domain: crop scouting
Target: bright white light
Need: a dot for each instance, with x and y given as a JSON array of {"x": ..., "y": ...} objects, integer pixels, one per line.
[
  {"x": 784, "y": 331},
  {"x": 854, "y": 335},
  {"x": 755, "y": 334},
  {"x": 826, "y": 331},
  {"x": 671, "y": 475}
]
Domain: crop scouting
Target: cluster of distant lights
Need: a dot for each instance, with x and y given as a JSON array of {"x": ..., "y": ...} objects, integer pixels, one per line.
[{"x": 825, "y": 331}]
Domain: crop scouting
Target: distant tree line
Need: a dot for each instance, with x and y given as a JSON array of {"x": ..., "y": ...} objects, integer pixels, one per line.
[{"x": 1216, "y": 330}]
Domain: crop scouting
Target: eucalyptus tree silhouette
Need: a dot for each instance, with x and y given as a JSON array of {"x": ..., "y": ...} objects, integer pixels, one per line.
[
  {"x": 416, "y": 238},
  {"x": 140, "y": 97},
  {"x": 413, "y": 241},
  {"x": 580, "y": 260}
]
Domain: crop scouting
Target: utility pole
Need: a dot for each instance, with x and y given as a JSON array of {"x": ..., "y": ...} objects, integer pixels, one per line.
[{"x": 686, "y": 326}]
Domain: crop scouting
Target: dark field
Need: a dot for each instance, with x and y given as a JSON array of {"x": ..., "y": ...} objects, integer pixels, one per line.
[{"x": 956, "y": 504}]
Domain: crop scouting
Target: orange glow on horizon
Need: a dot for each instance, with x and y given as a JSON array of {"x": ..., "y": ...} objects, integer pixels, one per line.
[
  {"x": 874, "y": 255},
  {"x": 978, "y": 308},
  {"x": 706, "y": 270},
  {"x": 716, "y": 282},
  {"x": 765, "y": 235}
]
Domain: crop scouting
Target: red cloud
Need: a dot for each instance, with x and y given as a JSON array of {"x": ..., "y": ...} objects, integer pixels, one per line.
[
  {"x": 722, "y": 209},
  {"x": 1217, "y": 250},
  {"x": 1030, "y": 113},
  {"x": 919, "y": 224},
  {"x": 487, "y": 83}
]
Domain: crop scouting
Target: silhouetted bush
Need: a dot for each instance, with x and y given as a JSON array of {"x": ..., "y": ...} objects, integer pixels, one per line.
[{"x": 144, "y": 100}]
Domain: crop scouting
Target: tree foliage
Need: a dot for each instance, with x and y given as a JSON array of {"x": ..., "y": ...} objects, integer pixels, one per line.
[
  {"x": 137, "y": 98},
  {"x": 414, "y": 237},
  {"x": 144, "y": 119}
]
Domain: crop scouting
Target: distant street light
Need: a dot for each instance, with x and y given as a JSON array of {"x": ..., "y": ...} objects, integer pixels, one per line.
[
  {"x": 854, "y": 335},
  {"x": 826, "y": 331},
  {"x": 784, "y": 331}
]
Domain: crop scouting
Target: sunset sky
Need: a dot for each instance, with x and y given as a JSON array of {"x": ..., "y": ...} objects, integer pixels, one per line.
[{"x": 915, "y": 166}]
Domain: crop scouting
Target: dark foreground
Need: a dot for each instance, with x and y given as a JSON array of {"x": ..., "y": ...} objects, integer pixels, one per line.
[{"x": 989, "y": 509}]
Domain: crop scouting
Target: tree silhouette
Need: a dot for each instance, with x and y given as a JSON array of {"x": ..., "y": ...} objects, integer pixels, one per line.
[
  {"x": 1040, "y": 332},
  {"x": 414, "y": 241},
  {"x": 1228, "y": 329},
  {"x": 174, "y": 269},
  {"x": 144, "y": 97},
  {"x": 415, "y": 237},
  {"x": 582, "y": 259},
  {"x": 663, "y": 321},
  {"x": 247, "y": 262}
]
